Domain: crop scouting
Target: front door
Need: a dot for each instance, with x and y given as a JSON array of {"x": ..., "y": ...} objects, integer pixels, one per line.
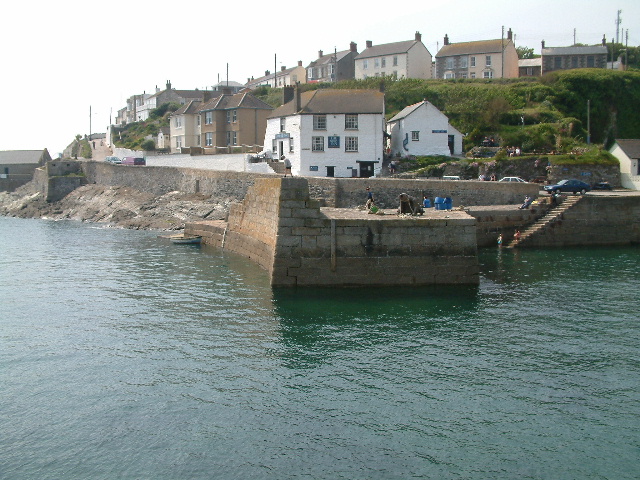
[
  {"x": 451, "y": 144},
  {"x": 331, "y": 171},
  {"x": 366, "y": 169}
]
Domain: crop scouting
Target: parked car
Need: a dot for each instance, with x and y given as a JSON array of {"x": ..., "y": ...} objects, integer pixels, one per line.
[
  {"x": 565, "y": 186},
  {"x": 133, "y": 161},
  {"x": 115, "y": 160},
  {"x": 602, "y": 186},
  {"x": 512, "y": 179}
]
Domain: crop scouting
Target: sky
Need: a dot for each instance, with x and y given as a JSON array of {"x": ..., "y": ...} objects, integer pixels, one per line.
[{"x": 70, "y": 65}]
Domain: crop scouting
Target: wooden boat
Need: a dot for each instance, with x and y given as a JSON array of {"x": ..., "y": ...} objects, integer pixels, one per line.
[{"x": 183, "y": 239}]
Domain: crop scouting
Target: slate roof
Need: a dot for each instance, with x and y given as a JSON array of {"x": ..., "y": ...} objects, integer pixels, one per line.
[
  {"x": 188, "y": 108},
  {"x": 582, "y": 50},
  {"x": 387, "y": 49},
  {"x": 326, "y": 59},
  {"x": 20, "y": 157},
  {"x": 472, "y": 48},
  {"x": 237, "y": 100},
  {"x": 406, "y": 111},
  {"x": 327, "y": 101},
  {"x": 530, "y": 62},
  {"x": 631, "y": 147}
]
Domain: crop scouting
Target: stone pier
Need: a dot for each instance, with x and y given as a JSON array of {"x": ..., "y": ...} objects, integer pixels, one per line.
[{"x": 286, "y": 232}]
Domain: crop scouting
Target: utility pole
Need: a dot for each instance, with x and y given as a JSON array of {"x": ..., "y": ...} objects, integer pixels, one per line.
[
  {"x": 502, "y": 74},
  {"x": 574, "y": 37},
  {"x": 89, "y": 122},
  {"x": 618, "y": 22}
]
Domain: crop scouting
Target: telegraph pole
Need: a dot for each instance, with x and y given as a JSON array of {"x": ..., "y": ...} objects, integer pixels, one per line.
[{"x": 618, "y": 22}]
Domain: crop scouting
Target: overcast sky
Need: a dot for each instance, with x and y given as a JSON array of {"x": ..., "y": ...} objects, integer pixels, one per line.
[{"x": 63, "y": 59}]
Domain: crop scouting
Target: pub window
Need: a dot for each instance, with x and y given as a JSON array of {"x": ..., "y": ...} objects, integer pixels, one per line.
[{"x": 317, "y": 144}]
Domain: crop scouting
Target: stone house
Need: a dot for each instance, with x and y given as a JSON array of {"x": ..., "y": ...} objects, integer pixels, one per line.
[
  {"x": 627, "y": 151},
  {"x": 567, "y": 58},
  {"x": 422, "y": 129},
  {"x": 184, "y": 127},
  {"x": 333, "y": 67},
  {"x": 530, "y": 67},
  {"x": 408, "y": 59},
  {"x": 285, "y": 77},
  {"x": 232, "y": 120},
  {"x": 478, "y": 59},
  {"x": 169, "y": 95},
  {"x": 18, "y": 166},
  {"x": 329, "y": 133}
]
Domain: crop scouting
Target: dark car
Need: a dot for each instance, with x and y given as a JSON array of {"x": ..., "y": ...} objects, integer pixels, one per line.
[
  {"x": 602, "y": 186},
  {"x": 565, "y": 186}
]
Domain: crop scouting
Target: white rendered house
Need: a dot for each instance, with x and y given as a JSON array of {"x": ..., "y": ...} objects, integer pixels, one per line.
[
  {"x": 628, "y": 154},
  {"x": 422, "y": 129},
  {"x": 329, "y": 133}
]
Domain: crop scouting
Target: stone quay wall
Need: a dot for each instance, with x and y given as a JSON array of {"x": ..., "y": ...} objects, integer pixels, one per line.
[
  {"x": 350, "y": 192},
  {"x": 594, "y": 220},
  {"x": 285, "y": 231}
]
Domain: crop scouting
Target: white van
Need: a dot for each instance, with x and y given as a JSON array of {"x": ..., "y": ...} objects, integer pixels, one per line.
[{"x": 451, "y": 177}]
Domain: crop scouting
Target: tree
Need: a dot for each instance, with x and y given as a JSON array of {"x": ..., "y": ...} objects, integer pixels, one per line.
[{"x": 525, "y": 52}]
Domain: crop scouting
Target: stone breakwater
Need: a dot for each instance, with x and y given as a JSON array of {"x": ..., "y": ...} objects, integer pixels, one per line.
[{"x": 299, "y": 243}]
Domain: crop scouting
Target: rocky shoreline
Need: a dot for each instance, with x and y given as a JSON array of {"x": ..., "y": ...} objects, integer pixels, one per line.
[{"x": 123, "y": 207}]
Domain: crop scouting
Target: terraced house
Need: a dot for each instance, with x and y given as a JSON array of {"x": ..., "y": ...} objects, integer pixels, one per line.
[
  {"x": 408, "y": 59},
  {"x": 479, "y": 59},
  {"x": 220, "y": 124}
]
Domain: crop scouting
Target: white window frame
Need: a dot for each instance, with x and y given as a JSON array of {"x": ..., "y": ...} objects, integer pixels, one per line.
[
  {"x": 473, "y": 61},
  {"x": 415, "y": 136},
  {"x": 350, "y": 144},
  {"x": 320, "y": 122},
  {"x": 317, "y": 144},
  {"x": 208, "y": 139},
  {"x": 487, "y": 60},
  {"x": 208, "y": 118},
  {"x": 351, "y": 121}
]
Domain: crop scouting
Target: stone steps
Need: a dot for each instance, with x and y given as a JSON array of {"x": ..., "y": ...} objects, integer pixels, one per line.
[{"x": 540, "y": 226}]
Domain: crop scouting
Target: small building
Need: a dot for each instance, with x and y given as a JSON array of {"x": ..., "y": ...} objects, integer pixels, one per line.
[
  {"x": 285, "y": 77},
  {"x": 530, "y": 67},
  {"x": 568, "y": 58},
  {"x": 422, "y": 129},
  {"x": 480, "y": 59},
  {"x": 408, "y": 59},
  {"x": 627, "y": 151},
  {"x": 18, "y": 166},
  {"x": 329, "y": 133},
  {"x": 164, "y": 138},
  {"x": 333, "y": 67}
]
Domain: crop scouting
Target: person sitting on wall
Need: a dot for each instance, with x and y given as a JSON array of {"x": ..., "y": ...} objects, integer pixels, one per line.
[
  {"x": 409, "y": 205},
  {"x": 527, "y": 201},
  {"x": 370, "y": 201}
]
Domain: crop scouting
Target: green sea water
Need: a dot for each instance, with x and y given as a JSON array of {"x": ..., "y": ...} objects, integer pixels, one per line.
[{"x": 125, "y": 356}]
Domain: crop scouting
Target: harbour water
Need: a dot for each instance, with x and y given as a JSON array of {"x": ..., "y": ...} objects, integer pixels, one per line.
[{"x": 125, "y": 356}]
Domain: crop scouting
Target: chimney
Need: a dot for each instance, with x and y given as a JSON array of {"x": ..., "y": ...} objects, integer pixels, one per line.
[
  {"x": 418, "y": 37},
  {"x": 266, "y": 73},
  {"x": 369, "y": 44},
  {"x": 157, "y": 89},
  {"x": 543, "y": 44},
  {"x": 446, "y": 39},
  {"x": 299, "y": 63},
  {"x": 296, "y": 106},
  {"x": 320, "y": 53},
  {"x": 287, "y": 94},
  {"x": 510, "y": 35},
  {"x": 353, "y": 46},
  {"x": 168, "y": 84},
  {"x": 604, "y": 40},
  {"x": 283, "y": 68}
]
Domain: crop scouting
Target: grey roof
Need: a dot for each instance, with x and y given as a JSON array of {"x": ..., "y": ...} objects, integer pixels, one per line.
[
  {"x": 237, "y": 100},
  {"x": 582, "y": 50},
  {"x": 188, "y": 108},
  {"x": 338, "y": 101},
  {"x": 631, "y": 147},
  {"x": 530, "y": 62},
  {"x": 328, "y": 58},
  {"x": 387, "y": 49},
  {"x": 406, "y": 111},
  {"x": 19, "y": 157},
  {"x": 473, "y": 48}
]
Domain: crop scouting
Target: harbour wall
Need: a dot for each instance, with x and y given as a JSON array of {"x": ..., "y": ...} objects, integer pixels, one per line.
[{"x": 280, "y": 227}]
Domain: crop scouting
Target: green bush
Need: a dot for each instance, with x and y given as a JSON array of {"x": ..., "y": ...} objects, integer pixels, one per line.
[{"x": 148, "y": 145}]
